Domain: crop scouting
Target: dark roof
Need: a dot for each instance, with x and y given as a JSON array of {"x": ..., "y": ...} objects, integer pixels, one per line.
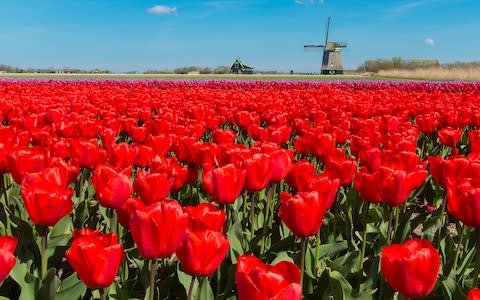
[{"x": 240, "y": 64}]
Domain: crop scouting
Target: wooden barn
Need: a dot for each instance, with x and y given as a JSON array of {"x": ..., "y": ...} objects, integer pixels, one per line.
[{"x": 238, "y": 67}]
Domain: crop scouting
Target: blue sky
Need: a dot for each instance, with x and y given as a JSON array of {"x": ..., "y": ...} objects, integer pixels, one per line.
[{"x": 125, "y": 35}]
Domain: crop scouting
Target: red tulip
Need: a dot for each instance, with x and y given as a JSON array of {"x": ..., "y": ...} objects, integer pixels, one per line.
[
  {"x": 205, "y": 216},
  {"x": 464, "y": 200},
  {"x": 411, "y": 268},
  {"x": 125, "y": 211},
  {"x": 258, "y": 281},
  {"x": 160, "y": 144},
  {"x": 158, "y": 229},
  {"x": 26, "y": 160},
  {"x": 473, "y": 294},
  {"x": 298, "y": 172},
  {"x": 122, "y": 155},
  {"x": 449, "y": 136},
  {"x": 46, "y": 196},
  {"x": 8, "y": 244},
  {"x": 87, "y": 154},
  {"x": 138, "y": 134},
  {"x": 224, "y": 184},
  {"x": 95, "y": 257},
  {"x": 111, "y": 187},
  {"x": 172, "y": 168},
  {"x": 201, "y": 252},
  {"x": 4, "y": 149},
  {"x": 152, "y": 187},
  {"x": 427, "y": 123},
  {"x": 259, "y": 172},
  {"x": 143, "y": 156},
  {"x": 343, "y": 168},
  {"x": 282, "y": 163},
  {"x": 452, "y": 169},
  {"x": 303, "y": 213},
  {"x": 223, "y": 136},
  {"x": 368, "y": 185},
  {"x": 72, "y": 170}
]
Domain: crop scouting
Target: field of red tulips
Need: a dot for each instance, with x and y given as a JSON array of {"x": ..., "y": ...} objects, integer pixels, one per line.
[{"x": 239, "y": 190}]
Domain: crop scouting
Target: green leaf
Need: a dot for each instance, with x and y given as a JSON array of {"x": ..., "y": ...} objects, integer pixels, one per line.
[
  {"x": 431, "y": 227},
  {"x": 25, "y": 280},
  {"x": 448, "y": 286},
  {"x": 332, "y": 249},
  {"x": 71, "y": 288},
  {"x": 186, "y": 280},
  {"x": 204, "y": 290},
  {"x": 282, "y": 256},
  {"x": 235, "y": 236},
  {"x": 340, "y": 286},
  {"x": 49, "y": 286}
]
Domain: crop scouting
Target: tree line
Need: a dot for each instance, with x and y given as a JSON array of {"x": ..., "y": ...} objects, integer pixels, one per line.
[{"x": 377, "y": 65}]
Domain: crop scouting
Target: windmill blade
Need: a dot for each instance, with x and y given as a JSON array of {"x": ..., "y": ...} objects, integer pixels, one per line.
[{"x": 313, "y": 46}]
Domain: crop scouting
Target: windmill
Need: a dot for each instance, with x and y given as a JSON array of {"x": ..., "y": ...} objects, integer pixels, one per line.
[{"x": 332, "y": 61}]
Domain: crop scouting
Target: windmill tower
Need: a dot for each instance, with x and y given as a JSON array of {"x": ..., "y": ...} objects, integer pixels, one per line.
[{"x": 332, "y": 61}]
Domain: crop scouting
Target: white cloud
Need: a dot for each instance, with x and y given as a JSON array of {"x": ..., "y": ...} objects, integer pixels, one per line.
[
  {"x": 310, "y": 2},
  {"x": 429, "y": 41},
  {"x": 412, "y": 5},
  {"x": 162, "y": 10}
]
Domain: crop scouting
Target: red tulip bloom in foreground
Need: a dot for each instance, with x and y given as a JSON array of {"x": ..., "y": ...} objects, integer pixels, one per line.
[
  {"x": 111, "y": 187},
  {"x": 26, "y": 160},
  {"x": 464, "y": 201},
  {"x": 95, "y": 257},
  {"x": 46, "y": 196},
  {"x": 303, "y": 213},
  {"x": 258, "y": 281},
  {"x": 259, "y": 172},
  {"x": 474, "y": 294},
  {"x": 152, "y": 187},
  {"x": 201, "y": 252},
  {"x": 205, "y": 216},
  {"x": 224, "y": 184},
  {"x": 343, "y": 168},
  {"x": 411, "y": 268},
  {"x": 158, "y": 229},
  {"x": 87, "y": 154},
  {"x": 126, "y": 210},
  {"x": 282, "y": 162},
  {"x": 368, "y": 185},
  {"x": 449, "y": 136},
  {"x": 8, "y": 244}
]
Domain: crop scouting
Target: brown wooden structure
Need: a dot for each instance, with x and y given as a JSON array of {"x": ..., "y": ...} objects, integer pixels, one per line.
[{"x": 332, "y": 60}]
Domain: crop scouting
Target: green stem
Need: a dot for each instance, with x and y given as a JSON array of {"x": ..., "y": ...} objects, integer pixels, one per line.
[
  {"x": 389, "y": 232},
  {"x": 252, "y": 216},
  {"x": 43, "y": 253},
  {"x": 7, "y": 204},
  {"x": 190, "y": 289},
  {"x": 245, "y": 202},
  {"x": 364, "y": 237},
  {"x": 112, "y": 220},
  {"x": 335, "y": 215},
  {"x": 443, "y": 216},
  {"x": 459, "y": 248},
  {"x": 302, "y": 260},
  {"x": 477, "y": 265},
  {"x": 153, "y": 271},
  {"x": 271, "y": 192},
  {"x": 81, "y": 195},
  {"x": 219, "y": 278},
  {"x": 396, "y": 212},
  {"x": 103, "y": 296},
  {"x": 317, "y": 252}
]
